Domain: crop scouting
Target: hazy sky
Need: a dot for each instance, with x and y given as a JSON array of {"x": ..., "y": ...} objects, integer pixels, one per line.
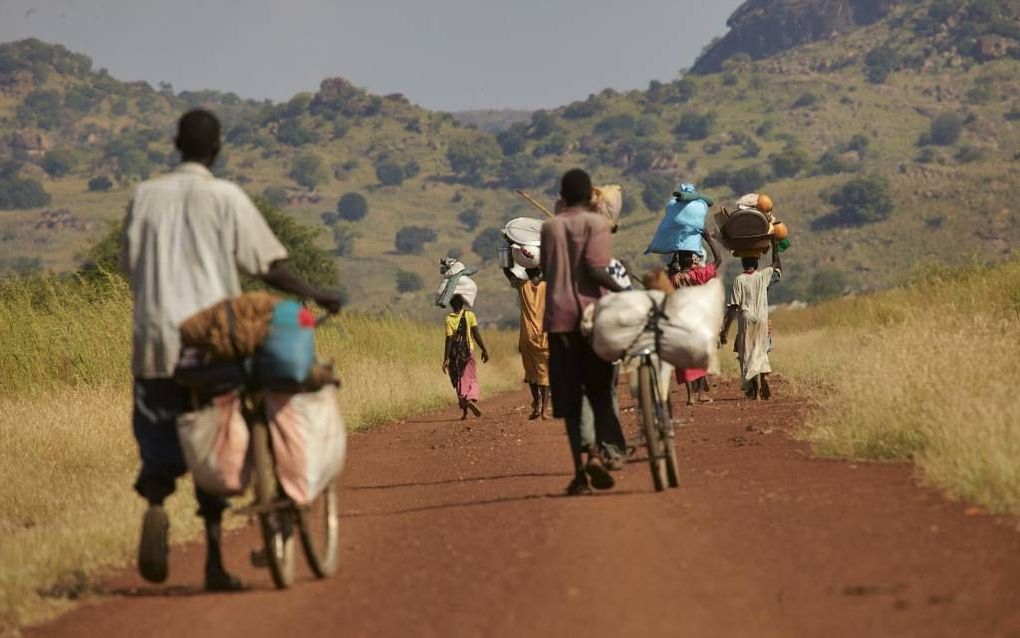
[{"x": 442, "y": 54}]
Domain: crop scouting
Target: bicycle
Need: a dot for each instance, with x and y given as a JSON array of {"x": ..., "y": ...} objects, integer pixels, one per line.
[
  {"x": 318, "y": 524},
  {"x": 654, "y": 410}
]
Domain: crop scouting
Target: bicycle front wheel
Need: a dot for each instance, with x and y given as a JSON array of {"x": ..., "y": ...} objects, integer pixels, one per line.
[
  {"x": 276, "y": 523},
  {"x": 319, "y": 527},
  {"x": 649, "y": 423}
]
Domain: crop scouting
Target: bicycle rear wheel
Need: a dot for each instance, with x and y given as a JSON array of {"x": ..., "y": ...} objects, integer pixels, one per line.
[
  {"x": 649, "y": 423},
  {"x": 319, "y": 527},
  {"x": 277, "y": 524}
]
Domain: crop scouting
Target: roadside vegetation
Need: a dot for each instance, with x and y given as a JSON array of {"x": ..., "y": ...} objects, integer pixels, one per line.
[
  {"x": 67, "y": 457},
  {"x": 928, "y": 373}
]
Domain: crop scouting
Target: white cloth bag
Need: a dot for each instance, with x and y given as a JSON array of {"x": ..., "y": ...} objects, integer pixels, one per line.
[{"x": 214, "y": 440}]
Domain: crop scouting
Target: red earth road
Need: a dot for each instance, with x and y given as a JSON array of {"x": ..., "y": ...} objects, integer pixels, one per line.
[{"x": 459, "y": 529}]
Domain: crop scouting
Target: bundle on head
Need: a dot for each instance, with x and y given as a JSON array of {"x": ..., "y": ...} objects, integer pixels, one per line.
[
  {"x": 658, "y": 279},
  {"x": 248, "y": 320}
]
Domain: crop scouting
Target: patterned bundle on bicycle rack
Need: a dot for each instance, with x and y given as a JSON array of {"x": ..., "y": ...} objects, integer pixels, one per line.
[{"x": 309, "y": 440}]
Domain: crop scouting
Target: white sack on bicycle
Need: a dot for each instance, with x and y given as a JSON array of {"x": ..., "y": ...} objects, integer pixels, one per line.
[
  {"x": 620, "y": 320},
  {"x": 214, "y": 440},
  {"x": 309, "y": 440},
  {"x": 690, "y": 332}
]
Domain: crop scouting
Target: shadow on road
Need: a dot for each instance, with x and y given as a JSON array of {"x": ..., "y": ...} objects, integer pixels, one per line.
[
  {"x": 466, "y": 479},
  {"x": 483, "y": 502}
]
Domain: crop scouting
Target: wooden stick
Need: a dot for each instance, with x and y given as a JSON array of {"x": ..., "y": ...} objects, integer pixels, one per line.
[{"x": 531, "y": 200}]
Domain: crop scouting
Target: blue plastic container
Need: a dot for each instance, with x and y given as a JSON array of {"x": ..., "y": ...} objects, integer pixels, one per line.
[{"x": 288, "y": 353}]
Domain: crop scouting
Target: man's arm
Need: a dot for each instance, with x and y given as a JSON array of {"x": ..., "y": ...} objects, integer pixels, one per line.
[
  {"x": 714, "y": 247},
  {"x": 775, "y": 256},
  {"x": 598, "y": 254},
  {"x": 280, "y": 277},
  {"x": 604, "y": 279}
]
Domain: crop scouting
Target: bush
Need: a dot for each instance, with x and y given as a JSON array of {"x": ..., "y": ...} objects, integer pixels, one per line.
[
  {"x": 831, "y": 162},
  {"x": 470, "y": 218},
  {"x": 389, "y": 173},
  {"x": 542, "y": 124},
  {"x": 100, "y": 184},
  {"x": 511, "y": 142},
  {"x": 656, "y": 192},
  {"x": 309, "y": 170},
  {"x": 305, "y": 258},
  {"x": 718, "y": 177},
  {"x": 879, "y": 63},
  {"x": 805, "y": 100},
  {"x": 352, "y": 207},
  {"x": 694, "y": 126},
  {"x": 408, "y": 281},
  {"x": 579, "y": 110},
  {"x": 790, "y": 162},
  {"x": 746, "y": 180},
  {"x": 968, "y": 154},
  {"x": 519, "y": 171},
  {"x": 19, "y": 194},
  {"x": 411, "y": 240},
  {"x": 945, "y": 129},
  {"x": 615, "y": 126},
  {"x": 487, "y": 244},
  {"x": 862, "y": 200},
  {"x": 58, "y": 162},
  {"x": 275, "y": 196}
]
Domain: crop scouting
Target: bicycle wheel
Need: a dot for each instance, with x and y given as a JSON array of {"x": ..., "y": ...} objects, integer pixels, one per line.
[
  {"x": 319, "y": 528},
  {"x": 672, "y": 467},
  {"x": 276, "y": 524},
  {"x": 649, "y": 423}
]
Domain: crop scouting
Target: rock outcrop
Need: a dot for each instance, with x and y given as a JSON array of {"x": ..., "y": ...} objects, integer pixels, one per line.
[{"x": 761, "y": 28}]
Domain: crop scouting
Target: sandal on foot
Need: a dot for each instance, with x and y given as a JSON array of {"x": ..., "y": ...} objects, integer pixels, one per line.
[
  {"x": 600, "y": 477},
  {"x": 578, "y": 487},
  {"x": 153, "y": 547}
]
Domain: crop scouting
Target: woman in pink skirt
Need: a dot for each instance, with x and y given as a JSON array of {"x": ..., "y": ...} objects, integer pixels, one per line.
[
  {"x": 462, "y": 335},
  {"x": 686, "y": 269}
]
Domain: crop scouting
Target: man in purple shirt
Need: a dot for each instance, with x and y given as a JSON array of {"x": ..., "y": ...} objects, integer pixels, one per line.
[{"x": 576, "y": 249}]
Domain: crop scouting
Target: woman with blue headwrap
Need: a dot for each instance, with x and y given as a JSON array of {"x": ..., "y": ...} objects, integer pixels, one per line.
[{"x": 683, "y": 223}]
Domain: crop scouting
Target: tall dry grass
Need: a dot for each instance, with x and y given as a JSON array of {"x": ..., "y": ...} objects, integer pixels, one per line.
[
  {"x": 929, "y": 372},
  {"x": 67, "y": 457}
]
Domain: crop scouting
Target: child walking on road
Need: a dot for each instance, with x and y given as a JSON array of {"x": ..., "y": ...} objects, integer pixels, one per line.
[
  {"x": 462, "y": 336},
  {"x": 686, "y": 270}
]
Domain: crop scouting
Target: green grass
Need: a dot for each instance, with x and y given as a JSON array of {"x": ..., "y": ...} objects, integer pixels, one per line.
[{"x": 67, "y": 457}]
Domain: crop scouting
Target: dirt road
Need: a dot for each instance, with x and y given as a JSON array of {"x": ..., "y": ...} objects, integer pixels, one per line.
[{"x": 459, "y": 529}]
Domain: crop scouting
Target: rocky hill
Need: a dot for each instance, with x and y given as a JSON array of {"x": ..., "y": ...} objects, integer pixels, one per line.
[{"x": 891, "y": 144}]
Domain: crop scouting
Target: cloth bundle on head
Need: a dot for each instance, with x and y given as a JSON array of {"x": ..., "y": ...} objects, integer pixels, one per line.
[
  {"x": 456, "y": 281},
  {"x": 607, "y": 201},
  {"x": 683, "y": 223}
]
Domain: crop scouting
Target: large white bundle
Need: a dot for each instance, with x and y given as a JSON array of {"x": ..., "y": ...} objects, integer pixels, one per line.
[
  {"x": 309, "y": 440},
  {"x": 690, "y": 332},
  {"x": 214, "y": 440},
  {"x": 620, "y": 320}
]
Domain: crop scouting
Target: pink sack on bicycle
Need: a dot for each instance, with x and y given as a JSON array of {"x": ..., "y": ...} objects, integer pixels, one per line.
[
  {"x": 214, "y": 440},
  {"x": 309, "y": 440}
]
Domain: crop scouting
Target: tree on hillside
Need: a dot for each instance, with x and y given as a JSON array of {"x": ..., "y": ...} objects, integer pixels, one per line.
[
  {"x": 305, "y": 258},
  {"x": 879, "y": 63},
  {"x": 276, "y": 196},
  {"x": 519, "y": 171},
  {"x": 18, "y": 193},
  {"x": 472, "y": 159},
  {"x": 542, "y": 124},
  {"x": 511, "y": 142},
  {"x": 309, "y": 170},
  {"x": 862, "y": 200},
  {"x": 40, "y": 108},
  {"x": 352, "y": 207},
  {"x": 944, "y": 130},
  {"x": 790, "y": 162},
  {"x": 827, "y": 282},
  {"x": 470, "y": 218},
  {"x": 411, "y": 240},
  {"x": 746, "y": 180},
  {"x": 389, "y": 173},
  {"x": 58, "y": 162},
  {"x": 657, "y": 191},
  {"x": 100, "y": 184},
  {"x": 487, "y": 244},
  {"x": 294, "y": 133},
  {"x": 694, "y": 126},
  {"x": 408, "y": 281}
]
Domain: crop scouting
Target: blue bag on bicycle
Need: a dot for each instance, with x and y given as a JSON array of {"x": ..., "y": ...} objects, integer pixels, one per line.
[{"x": 287, "y": 355}]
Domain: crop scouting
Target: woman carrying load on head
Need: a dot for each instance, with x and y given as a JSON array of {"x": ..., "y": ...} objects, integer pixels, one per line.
[
  {"x": 462, "y": 337},
  {"x": 534, "y": 340},
  {"x": 686, "y": 269}
]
